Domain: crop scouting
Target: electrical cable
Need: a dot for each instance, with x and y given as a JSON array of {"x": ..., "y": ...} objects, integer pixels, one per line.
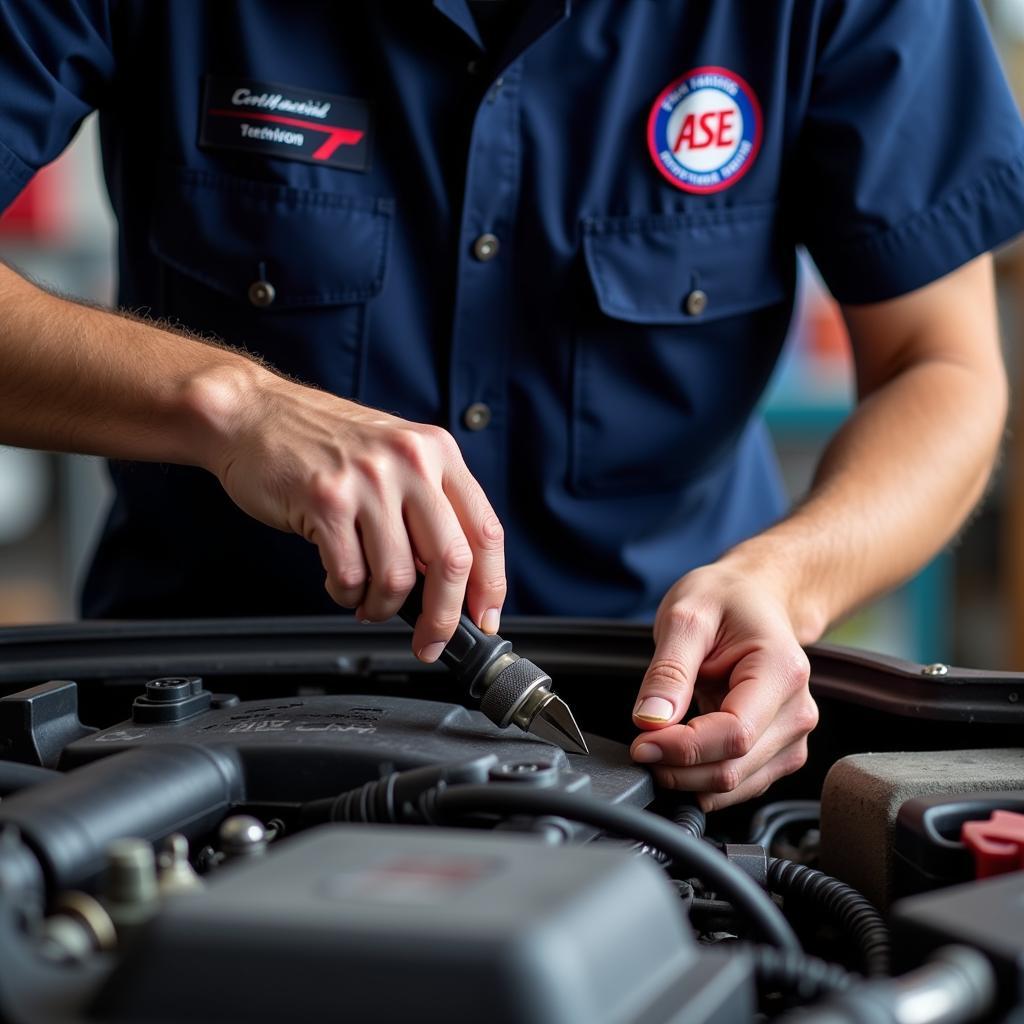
[
  {"x": 809, "y": 978},
  {"x": 702, "y": 859},
  {"x": 841, "y": 904}
]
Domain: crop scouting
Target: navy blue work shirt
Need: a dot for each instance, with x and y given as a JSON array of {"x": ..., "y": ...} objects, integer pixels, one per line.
[{"x": 573, "y": 249}]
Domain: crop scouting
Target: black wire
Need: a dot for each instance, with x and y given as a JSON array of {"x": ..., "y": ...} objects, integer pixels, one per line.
[
  {"x": 702, "y": 859},
  {"x": 796, "y": 974},
  {"x": 841, "y": 904}
]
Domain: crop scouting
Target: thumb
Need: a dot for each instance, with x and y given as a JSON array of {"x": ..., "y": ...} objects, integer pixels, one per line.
[{"x": 667, "y": 688}]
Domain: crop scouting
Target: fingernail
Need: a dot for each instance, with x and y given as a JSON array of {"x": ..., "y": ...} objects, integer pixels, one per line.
[
  {"x": 490, "y": 621},
  {"x": 430, "y": 653},
  {"x": 654, "y": 709},
  {"x": 647, "y": 753}
]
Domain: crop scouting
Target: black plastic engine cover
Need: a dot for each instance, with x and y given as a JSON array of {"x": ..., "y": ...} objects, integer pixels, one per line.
[{"x": 304, "y": 748}]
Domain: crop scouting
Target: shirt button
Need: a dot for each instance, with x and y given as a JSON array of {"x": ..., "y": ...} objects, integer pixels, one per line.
[
  {"x": 696, "y": 302},
  {"x": 261, "y": 293},
  {"x": 486, "y": 247},
  {"x": 473, "y": 67},
  {"x": 477, "y": 416}
]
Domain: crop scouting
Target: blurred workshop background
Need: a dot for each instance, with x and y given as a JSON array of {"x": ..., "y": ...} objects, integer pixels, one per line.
[{"x": 966, "y": 607}]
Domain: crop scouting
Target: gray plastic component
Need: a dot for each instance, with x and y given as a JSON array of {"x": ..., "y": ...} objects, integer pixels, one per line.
[
  {"x": 985, "y": 915},
  {"x": 863, "y": 794},
  {"x": 307, "y": 748},
  {"x": 146, "y": 794},
  {"x": 171, "y": 699},
  {"x": 509, "y": 688},
  {"x": 38, "y": 723},
  {"x": 367, "y": 923}
]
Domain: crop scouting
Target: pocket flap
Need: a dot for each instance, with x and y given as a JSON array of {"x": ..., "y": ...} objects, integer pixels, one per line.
[
  {"x": 644, "y": 269},
  {"x": 315, "y": 248}
]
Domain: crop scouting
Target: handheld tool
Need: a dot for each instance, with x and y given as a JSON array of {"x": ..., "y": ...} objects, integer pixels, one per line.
[{"x": 511, "y": 690}]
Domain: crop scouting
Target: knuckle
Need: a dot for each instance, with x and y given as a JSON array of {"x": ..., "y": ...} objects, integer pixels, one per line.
[
  {"x": 444, "y": 623},
  {"x": 687, "y": 620},
  {"x": 806, "y": 718},
  {"x": 326, "y": 493},
  {"x": 373, "y": 468},
  {"x": 665, "y": 779},
  {"x": 409, "y": 446},
  {"x": 456, "y": 560},
  {"x": 492, "y": 533},
  {"x": 688, "y": 754},
  {"x": 442, "y": 440},
  {"x": 350, "y": 578},
  {"x": 796, "y": 670},
  {"x": 665, "y": 674},
  {"x": 397, "y": 580},
  {"x": 725, "y": 778},
  {"x": 741, "y": 739}
]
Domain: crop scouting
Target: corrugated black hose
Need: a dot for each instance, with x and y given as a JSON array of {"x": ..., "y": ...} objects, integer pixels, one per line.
[
  {"x": 698, "y": 857},
  {"x": 839, "y": 903},
  {"x": 807, "y": 978}
]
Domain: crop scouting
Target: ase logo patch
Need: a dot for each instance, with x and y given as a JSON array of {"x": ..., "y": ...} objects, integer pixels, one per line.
[{"x": 704, "y": 130}]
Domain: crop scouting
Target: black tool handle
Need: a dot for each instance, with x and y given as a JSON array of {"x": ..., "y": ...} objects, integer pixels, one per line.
[{"x": 470, "y": 651}]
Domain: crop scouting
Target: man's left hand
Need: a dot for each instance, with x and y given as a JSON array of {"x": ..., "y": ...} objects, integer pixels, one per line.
[{"x": 726, "y": 639}]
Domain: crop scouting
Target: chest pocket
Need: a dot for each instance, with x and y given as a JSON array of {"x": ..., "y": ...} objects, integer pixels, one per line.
[
  {"x": 674, "y": 344},
  {"x": 285, "y": 272}
]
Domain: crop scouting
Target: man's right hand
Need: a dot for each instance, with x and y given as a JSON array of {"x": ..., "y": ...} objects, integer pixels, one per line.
[{"x": 379, "y": 496}]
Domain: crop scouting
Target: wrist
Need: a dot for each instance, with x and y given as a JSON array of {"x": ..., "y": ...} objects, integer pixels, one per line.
[
  {"x": 215, "y": 403},
  {"x": 776, "y": 569}
]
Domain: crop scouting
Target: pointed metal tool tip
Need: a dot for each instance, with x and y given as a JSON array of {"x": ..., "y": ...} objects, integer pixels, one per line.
[{"x": 554, "y": 722}]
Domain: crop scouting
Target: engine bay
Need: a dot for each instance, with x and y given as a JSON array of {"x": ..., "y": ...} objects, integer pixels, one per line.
[{"x": 228, "y": 820}]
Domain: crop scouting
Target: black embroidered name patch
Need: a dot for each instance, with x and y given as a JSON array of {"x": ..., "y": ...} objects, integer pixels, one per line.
[{"x": 285, "y": 122}]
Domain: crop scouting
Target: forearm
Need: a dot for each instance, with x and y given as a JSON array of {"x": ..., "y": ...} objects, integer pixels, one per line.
[
  {"x": 893, "y": 486},
  {"x": 76, "y": 378}
]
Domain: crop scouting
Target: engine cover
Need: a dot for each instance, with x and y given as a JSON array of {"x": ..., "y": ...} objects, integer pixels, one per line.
[{"x": 430, "y": 926}]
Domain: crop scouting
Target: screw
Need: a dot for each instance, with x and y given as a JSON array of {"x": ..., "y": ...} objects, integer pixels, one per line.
[
  {"x": 1014, "y": 697},
  {"x": 242, "y": 836}
]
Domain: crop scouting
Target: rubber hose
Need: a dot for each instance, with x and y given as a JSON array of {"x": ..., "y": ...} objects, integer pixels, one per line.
[
  {"x": 688, "y": 817},
  {"x": 15, "y": 776},
  {"x": 702, "y": 859},
  {"x": 841, "y": 904},
  {"x": 809, "y": 978}
]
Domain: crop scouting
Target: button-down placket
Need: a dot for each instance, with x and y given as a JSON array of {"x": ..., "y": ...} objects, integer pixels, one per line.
[{"x": 484, "y": 313}]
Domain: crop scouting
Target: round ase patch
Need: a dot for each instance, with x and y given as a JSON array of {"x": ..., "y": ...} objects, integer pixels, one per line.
[{"x": 704, "y": 130}]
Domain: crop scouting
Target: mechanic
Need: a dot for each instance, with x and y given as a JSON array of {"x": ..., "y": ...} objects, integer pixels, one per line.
[{"x": 555, "y": 241}]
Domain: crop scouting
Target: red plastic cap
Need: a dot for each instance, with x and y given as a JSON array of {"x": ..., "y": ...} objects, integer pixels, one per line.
[{"x": 997, "y": 844}]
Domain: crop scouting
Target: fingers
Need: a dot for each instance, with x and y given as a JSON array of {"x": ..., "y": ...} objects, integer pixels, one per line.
[
  {"x": 389, "y": 558},
  {"x": 378, "y": 496},
  {"x": 784, "y": 763},
  {"x": 485, "y": 589},
  {"x": 342, "y": 556},
  {"x": 446, "y": 555},
  {"x": 683, "y": 639},
  {"x": 726, "y": 775},
  {"x": 761, "y": 685}
]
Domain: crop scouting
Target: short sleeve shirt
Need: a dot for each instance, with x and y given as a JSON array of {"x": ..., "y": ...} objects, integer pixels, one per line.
[{"x": 570, "y": 242}]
